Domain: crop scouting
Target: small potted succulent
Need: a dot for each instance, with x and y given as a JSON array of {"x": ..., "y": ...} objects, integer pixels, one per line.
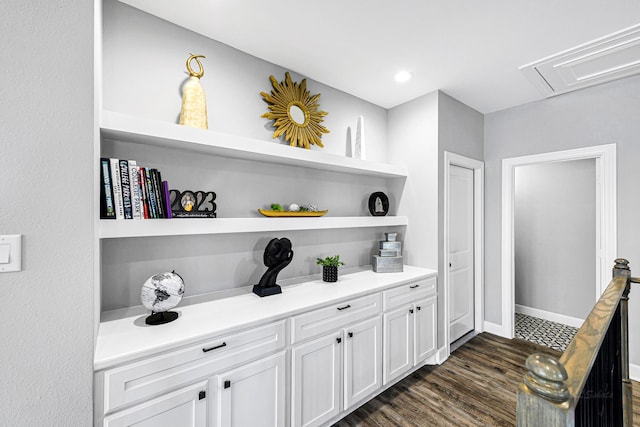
[{"x": 330, "y": 267}]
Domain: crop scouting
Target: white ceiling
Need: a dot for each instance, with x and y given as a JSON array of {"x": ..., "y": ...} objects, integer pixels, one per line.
[{"x": 470, "y": 49}]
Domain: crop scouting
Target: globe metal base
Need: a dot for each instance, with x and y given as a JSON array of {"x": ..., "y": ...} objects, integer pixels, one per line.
[{"x": 161, "y": 318}]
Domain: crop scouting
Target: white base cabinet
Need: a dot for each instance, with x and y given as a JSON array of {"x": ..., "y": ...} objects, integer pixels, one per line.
[
  {"x": 398, "y": 343},
  {"x": 239, "y": 378},
  {"x": 362, "y": 361},
  {"x": 410, "y": 333},
  {"x": 315, "y": 380},
  {"x": 425, "y": 334},
  {"x": 253, "y": 395},
  {"x": 331, "y": 373},
  {"x": 305, "y": 368},
  {"x": 186, "y": 407}
]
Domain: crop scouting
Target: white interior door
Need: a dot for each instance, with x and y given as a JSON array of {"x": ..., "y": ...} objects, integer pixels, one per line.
[{"x": 461, "y": 286}]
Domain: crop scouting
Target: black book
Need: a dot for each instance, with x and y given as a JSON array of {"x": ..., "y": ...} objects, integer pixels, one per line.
[
  {"x": 126, "y": 189},
  {"x": 107, "y": 208},
  {"x": 161, "y": 197},
  {"x": 157, "y": 192},
  {"x": 153, "y": 213}
]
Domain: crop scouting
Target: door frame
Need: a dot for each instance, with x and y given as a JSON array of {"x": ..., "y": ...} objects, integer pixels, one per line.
[
  {"x": 452, "y": 159},
  {"x": 605, "y": 156}
]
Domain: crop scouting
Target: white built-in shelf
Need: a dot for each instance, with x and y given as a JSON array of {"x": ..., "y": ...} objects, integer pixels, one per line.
[
  {"x": 112, "y": 229},
  {"x": 121, "y": 127}
]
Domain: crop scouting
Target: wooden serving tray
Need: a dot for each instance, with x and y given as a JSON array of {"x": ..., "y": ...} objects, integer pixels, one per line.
[{"x": 276, "y": 214}]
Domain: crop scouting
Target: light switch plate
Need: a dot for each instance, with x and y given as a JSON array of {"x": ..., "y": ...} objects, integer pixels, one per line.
[{"x": 15, "y": 252}]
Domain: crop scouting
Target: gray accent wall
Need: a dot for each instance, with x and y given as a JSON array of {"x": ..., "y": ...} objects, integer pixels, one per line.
[
  {"x": 144, "y": 67},
  {"x": 460, "y": 131},
  {"x": 144, "y": 70},
  {"x": 555, "y": 226},
  {"x": 598, "y": 115},
  {"x": 46, "y": 184}
]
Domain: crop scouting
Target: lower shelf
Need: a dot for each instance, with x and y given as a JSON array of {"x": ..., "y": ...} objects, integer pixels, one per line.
[{"x": 114, "y": 229}]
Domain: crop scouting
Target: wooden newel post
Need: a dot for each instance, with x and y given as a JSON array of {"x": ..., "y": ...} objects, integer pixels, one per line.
[
  {"x": 590, "y": 382},
  {"x": 543, "y": 394},
  {"x": 621, "y": 269}
]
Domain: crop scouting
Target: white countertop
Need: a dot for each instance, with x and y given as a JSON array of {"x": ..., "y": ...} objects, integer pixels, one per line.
[{"x": 124, "y": 340}]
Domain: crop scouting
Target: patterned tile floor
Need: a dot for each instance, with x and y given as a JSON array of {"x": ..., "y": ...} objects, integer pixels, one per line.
[{"x": 551, "y": 334}]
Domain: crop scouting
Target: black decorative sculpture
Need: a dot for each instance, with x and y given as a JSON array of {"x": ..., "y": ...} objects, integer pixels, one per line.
[{"x": 277, "y": 255}]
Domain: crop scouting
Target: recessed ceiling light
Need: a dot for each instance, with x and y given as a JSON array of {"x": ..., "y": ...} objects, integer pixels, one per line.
[{"x": 403, "y": 76}]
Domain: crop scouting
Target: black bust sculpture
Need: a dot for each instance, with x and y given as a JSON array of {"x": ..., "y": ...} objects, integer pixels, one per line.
[{"x": 277, "y": 255}]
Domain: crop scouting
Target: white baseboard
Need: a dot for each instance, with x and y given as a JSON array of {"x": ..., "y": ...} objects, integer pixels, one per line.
[
  {"x": 634, "y": 372},
  {"x": 494, "y": 328},
  {"x": 547, "y": 315}
]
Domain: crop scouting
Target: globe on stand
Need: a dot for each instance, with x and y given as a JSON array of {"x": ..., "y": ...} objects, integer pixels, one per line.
[{"x": 160, "y": 293}]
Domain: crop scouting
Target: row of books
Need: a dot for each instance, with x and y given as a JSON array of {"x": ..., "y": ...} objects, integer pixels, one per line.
[{"x": 129, "y": 191}]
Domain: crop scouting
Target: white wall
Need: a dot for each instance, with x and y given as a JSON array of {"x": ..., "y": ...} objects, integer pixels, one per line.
[
  {"x": 555, "y": 226},
  {"x": 602, "y": 114},
  {"x": 46, "y": 184}
]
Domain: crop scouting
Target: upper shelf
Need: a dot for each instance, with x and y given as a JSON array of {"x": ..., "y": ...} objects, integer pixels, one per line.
[
  {"x": 112, "y": 229},
  {"x": 121, "y": 127}
]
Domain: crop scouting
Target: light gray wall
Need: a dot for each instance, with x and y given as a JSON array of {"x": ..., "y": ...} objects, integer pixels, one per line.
[
  {"x": 413, "y": 141},
  {"x": 602, "y": 114},
  {"x": 420, "y": 131},
  {"x": 144, "y": 66},
  {"x": 46, "y": 183},
  {"x": 460, "y": 131},
  {"x": 555, "y": 226}
]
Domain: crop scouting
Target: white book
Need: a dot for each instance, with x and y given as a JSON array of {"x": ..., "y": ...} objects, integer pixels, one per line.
[
  {"x": 117, "y": 188},
  {"x": 135, "y": 190}
]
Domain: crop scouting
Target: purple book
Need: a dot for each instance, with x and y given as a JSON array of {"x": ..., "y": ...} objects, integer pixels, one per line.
[{"x": 165, "y": 188}]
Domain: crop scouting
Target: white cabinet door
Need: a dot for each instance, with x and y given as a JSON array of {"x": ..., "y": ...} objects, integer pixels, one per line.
[
  {"x": 186, "y": 407},
  {"x": 253, "y": 395},
  {"x": 362, "y": 360},
  {"x": 425, "y": 317},
  {"x": 398, "y": 342},
  {"x": 315, "y": 380}
]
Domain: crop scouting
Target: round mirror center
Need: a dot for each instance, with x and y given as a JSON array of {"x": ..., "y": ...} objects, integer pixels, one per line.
[{"x": 296, "y": 114}]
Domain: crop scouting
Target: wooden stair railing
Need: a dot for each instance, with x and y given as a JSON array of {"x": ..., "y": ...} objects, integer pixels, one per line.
[{"x": 589, "y": 385}]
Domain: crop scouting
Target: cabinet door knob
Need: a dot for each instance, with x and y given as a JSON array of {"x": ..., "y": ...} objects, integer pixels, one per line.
[
  {"x": 411, "y": 311},
  {"x": 413, "y": 286},
  {"x": 344, "y": 307},
  {"x": 202, "y": 395},
  {"x": 227, "y": 384},
  {"x": 418, "y": 307},
  {"x": 338, "y": 340},
  {"x": 350, "y": 334},
  {"x": 205, "y": 350}
]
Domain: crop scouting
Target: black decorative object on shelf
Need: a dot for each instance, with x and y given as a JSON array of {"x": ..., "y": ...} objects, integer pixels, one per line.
[
  {"x": 277, "y": 255},
  {"x": 192, "y": 204},
  {"x": 378, "y": 204}
]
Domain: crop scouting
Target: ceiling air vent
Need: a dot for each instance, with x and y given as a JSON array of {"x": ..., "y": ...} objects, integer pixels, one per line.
[{"x": 608, "y": 58}]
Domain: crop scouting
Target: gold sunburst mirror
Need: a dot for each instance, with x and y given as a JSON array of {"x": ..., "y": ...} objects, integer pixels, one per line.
[{"x": 295, "y": 113}]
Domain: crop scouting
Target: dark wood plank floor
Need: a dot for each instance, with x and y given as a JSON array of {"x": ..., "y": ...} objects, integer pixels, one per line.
[{"x": 476, "y": 386}]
